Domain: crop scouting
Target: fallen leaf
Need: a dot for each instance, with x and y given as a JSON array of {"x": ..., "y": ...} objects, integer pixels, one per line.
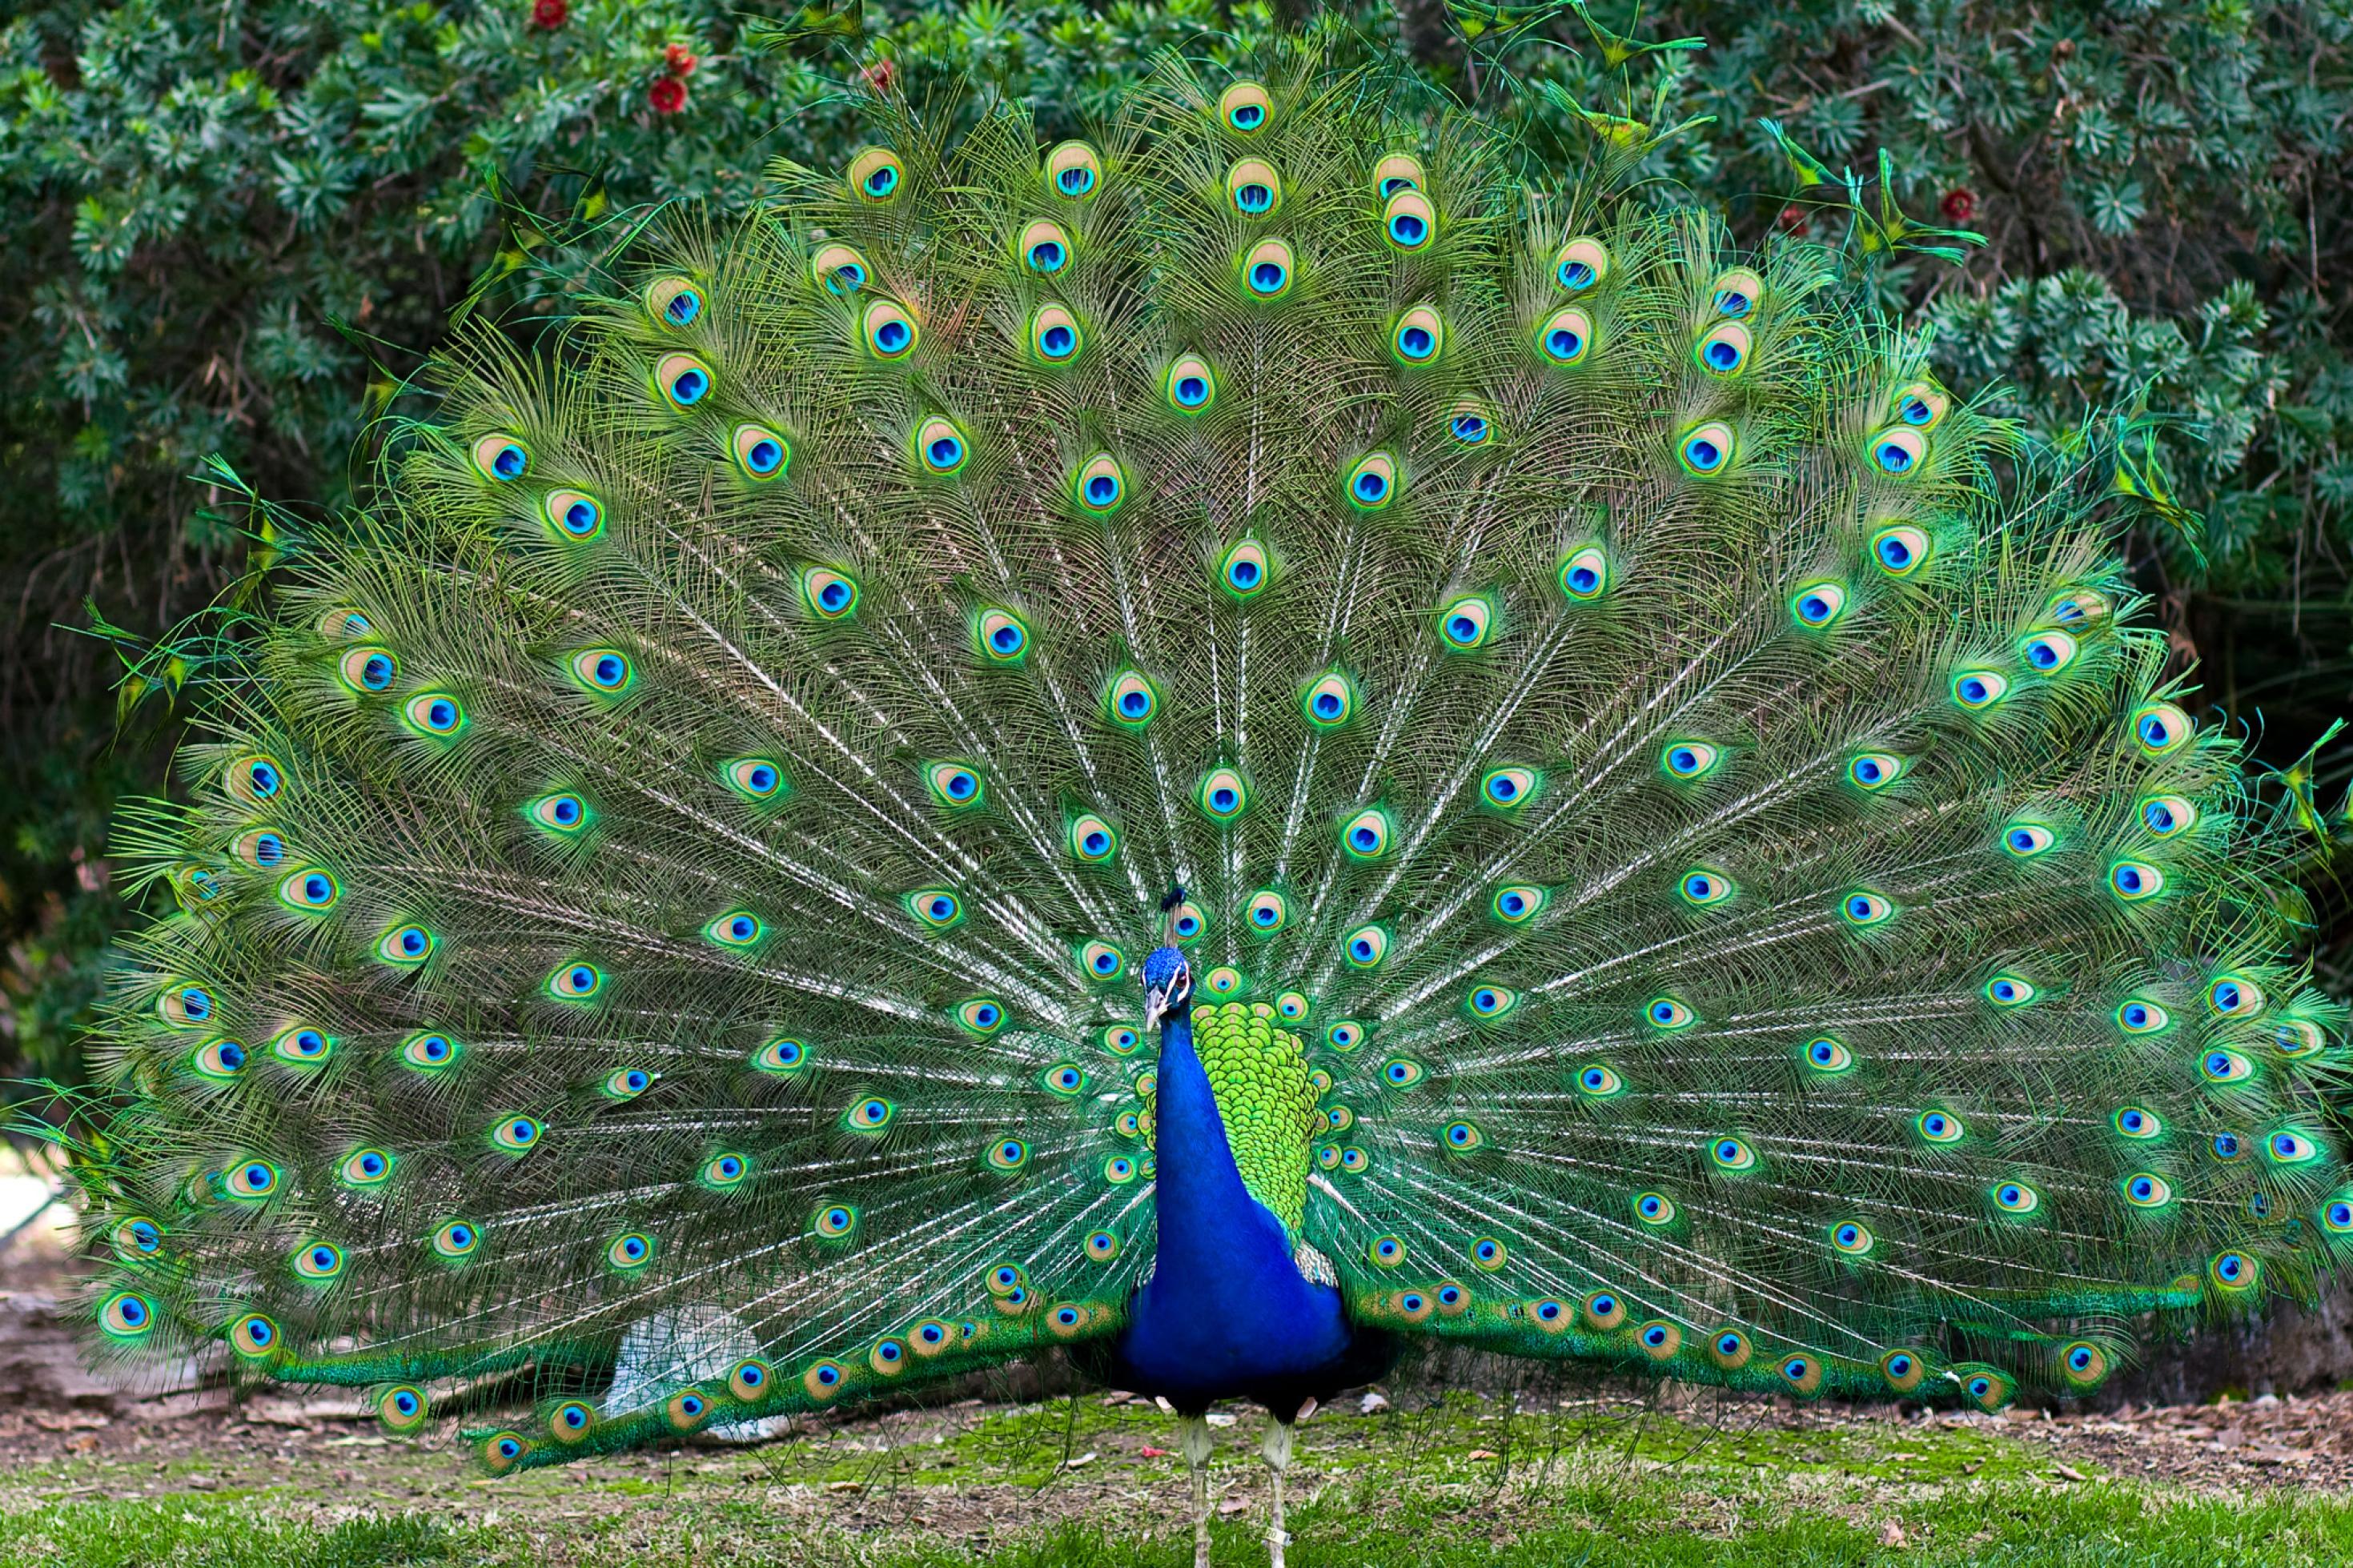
[
  {"x": 1485, "y": 1454},
  {"x": 1086, "y": 1458},
  {"x": 2071, "y": 1472},
  {"x": 1373, "y": 1404},
  {"x": 1234, "y": 1505},
  {"x": 1219, "y": 1418}
]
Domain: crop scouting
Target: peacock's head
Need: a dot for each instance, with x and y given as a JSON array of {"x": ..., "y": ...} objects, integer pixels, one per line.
[{"x": 1168, "y": 984}]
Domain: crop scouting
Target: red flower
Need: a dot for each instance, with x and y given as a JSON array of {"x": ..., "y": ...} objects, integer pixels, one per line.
[
  {"x": 667, "y": 96},
  {"x": 878, "y": 76},
  {"x": 550, "y": 15},
  {"x": 1958, "y": 206},
  {"x": 1793, "y": 217},
  {"x": 680, "y": 62}
]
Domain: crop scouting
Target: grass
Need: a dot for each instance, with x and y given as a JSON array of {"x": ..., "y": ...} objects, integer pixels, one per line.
[{"x": 1462, "y": 1484}]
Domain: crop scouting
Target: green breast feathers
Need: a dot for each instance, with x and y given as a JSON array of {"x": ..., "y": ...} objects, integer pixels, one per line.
[{"x": 1266, "y": 1097}]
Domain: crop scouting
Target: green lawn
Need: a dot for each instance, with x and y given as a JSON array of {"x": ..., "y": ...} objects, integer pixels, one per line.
[{"x": 1464, "y": 1484}]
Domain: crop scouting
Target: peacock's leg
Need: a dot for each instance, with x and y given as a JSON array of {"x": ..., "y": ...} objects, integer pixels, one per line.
[
  {"x": 1277, "y": 1451},
  {"x": 1193, "y": 1436}
]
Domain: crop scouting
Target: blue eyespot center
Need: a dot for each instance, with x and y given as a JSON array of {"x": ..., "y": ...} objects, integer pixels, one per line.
[
  {"x": 1266, "y": 277},
  {"x": 765, "y": 457},
  {"x": 891, "y": 336},
  {"x": 1408, "y": 229}
]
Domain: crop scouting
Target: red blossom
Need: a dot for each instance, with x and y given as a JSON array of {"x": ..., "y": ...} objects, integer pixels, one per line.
[
  {"x": 1958, "y": 206},
  {"x": 550, "y": 15},
  {"x": 667, "y": 96},
  {"x": 1793, "y": 217},
  {"x": 878, "y": 76},
  {"x": 680, "y": 62}
]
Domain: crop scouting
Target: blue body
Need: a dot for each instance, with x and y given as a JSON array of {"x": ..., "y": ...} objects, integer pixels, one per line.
[{"x": 1227, "y": 1313}]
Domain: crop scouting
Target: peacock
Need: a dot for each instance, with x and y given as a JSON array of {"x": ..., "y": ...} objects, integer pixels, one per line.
[{"x": 1232, "y": 748}]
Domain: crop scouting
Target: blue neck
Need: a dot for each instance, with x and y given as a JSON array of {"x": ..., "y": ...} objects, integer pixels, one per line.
[{"x": 1226, "y": 1311}]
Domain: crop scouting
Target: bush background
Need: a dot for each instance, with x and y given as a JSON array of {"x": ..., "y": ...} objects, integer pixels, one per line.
[{"x": 231, "y": 228}]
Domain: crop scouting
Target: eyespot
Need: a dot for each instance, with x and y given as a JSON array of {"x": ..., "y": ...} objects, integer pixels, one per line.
[
  {"x": 2337, "y": 1217},
  {"x": 1245, "y": 570},
  {"x": 2147, "y": 1189},
  {"x": 724, "y": 1172},
  {"x": 1120, "y": 1039},
  {"x": 756, "y": 779},
  {"x": 2289, "y": 1147},
  {"x": 1004, "y": 1279},
  {"x": 1253, "y": 188},
  {"x": 830, "y": 595},
  {"x": 368, "y": 669},
  {"x": 2228, "y": 1148},
  {"x": 1102, "y": 1246},
  {"x": 627, "y": 1083},
  {"x": 1223, "y": 981},
  {"x": 2133, "y": 880},
  {"x": 1002, "y": 637},
  {"x": 564, "y": 814},
  {"x": 1118, "y": 1170},
  {"x": 1397, "y": 171},
  {"x": 1903, "y": 1370},
  {"x": 1074, "y": 170},
  {"x": 2015, "y": 1198},
  {"x": 1564, "y": 337},
  {"x": 1491, "y": 1002},
  {"x": 1863, "y": 907},
  {"x": 2235, "y": 1272},
  {"x": 1373, "y": 482},
  {"x": 457, "y": 1240},
  {"x": 1921, "y": 406},
  {"x": 839, "y": 269},
  {"x": 126, "y": 1315},
  {"x": 1421, "y": 333},
  {"x": 955, "y": 785},
  {"x": 1978, "y": 689},
  {"x": 1875, "y": 770},
  {"x": 2297, "y": 1037},
  {"x": 738, "y": 930},
  {"x": 1222, "y": 796},
  {"x": 783, "y": 1057},
  {"x": 1826, "y": 1054},
  {"x": 1291, "y": 1007},
  {"x": 1898, "y": 451},
  {"x": 1344, "y": 1035},
  {"x": 876, "y": 174},
  {"x": 1465, "y": 623},
  {"x": 981, "y": 1015},
  {"x": 1470, "y": 424},
  {"x": 1387, "y": 1251},
  {"x": 2048, "y": 652},
  {"x": 1092, "y": 840},
  {"x": 136, "y": 1237},
  {"x": 254, "y": 1337},
  {"x": 1409, "y": 220},
  {"x": 1731, "y": 1153},
  {"x": 1267, "y": 912},
  {"x": 834, "y": 1221},
  {"x": 1517, "y": 903},
  {"x": 1901, "y": 551},
  {"x": 1724, "y": 351},
  {"x": 684, "y": 379},
  {"x": 1707, "y": 451},
  {"x": 435, "y": 713},
  {"x": 1597, "y": 1081},
  {"x": 1508, "y": 789},
  {"x": 220, "y": 1059},
  {"x": 1701, "y": 887},
  {"x": 1585, "y": 573},
  {"x": 1186, "y": 922},
  {"x": 1660, "y": 1340},
  {"x": 1329, "y": 701},
  {"x": 2008, "y": 990},
  {"x": 761, "y": 453},
  {"x": 2159, "y": 729},
  {"x": 1687, "y": 760},
  {"x": 1054, "y": 335},
  {"x": 1729, "y": 1349},
  {"x": 252, "y": 1179},
  {"x": 1245, "y": 107},
  {"x": 2025, "y": 840},
  {"x": 1266, "y": 269},
  {"x": 515, "y": 1134},
  {"x": 2082, "y": 1363},
  {"x": 185, "y": 1007},
  {"x": 401, "y": 1408},
  {"x": 1654, "y": 1209},
  {"x": 1581, "y": 264},
  {"x": 1064, "y": 1080},
  {"x": 749, "y": 1379},
  {"x": 1189, "y": 384},
  {"x": 1667, "y": 1013},
  {"x": 570, "y": 1422},
  {"x": 1852, "y": 1237},
  {"x": 310, "y": 890},
  {"x": 1100, "y": 961},
  {"x": 342, "y": 624},
  {"x": 1099, "y": 485},
  {"x": 2166, "y": 815},
  {"x": 501, "y": 458},
  {"x": 604, "y": 671},
  {"x": 1366, "y": 835},
  {"x": 1818, "y": 606},
  {"x": 2135, "y": 1122},
  {"x": 366, "y": 1168},
  {"x": 1402, "y": 1072},
  {"x": 2234, "y": 996},
  {"x": 2075, "y": 606},
  {"x": 1939, "y": 1127},
  {"x": 575, "y": 982},
  {"x": 941, "y": 446},
  {"x": 870, "y": 1115}
]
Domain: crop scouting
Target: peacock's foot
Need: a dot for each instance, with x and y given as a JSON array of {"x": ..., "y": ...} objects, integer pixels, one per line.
[{"x": 1276, "y": 1450}]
